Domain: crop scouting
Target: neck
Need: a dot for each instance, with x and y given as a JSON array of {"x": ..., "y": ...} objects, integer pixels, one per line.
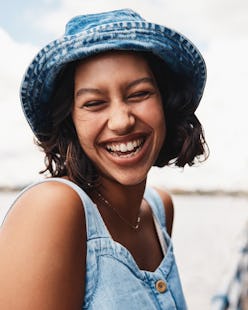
[{"x": 126, "y": 199}]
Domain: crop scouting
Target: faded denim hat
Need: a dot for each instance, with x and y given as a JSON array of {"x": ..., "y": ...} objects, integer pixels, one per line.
[{"x": 90, "y": 34}]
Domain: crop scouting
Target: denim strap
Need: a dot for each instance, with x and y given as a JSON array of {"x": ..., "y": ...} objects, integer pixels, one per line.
[{"x": 157, "y": 206}]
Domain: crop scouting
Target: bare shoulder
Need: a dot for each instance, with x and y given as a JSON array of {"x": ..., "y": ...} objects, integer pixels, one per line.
[
  {"x": 47, "y": 202},
  {"x": 169, "y": 208},
  {"x": 43, "y": 245}
]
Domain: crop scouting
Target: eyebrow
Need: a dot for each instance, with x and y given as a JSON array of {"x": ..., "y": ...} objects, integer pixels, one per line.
[
  {"x": 139, "y": 81},
  {"x": 82, "y": 91}
]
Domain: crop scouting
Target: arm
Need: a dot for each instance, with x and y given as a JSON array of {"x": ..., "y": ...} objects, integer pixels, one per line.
[
  {"x": 169, "y": 209},
  {"x": 43, "y": 249}
]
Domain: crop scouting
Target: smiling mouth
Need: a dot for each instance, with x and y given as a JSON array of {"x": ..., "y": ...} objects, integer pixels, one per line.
[{"x": 125, "y": 150}]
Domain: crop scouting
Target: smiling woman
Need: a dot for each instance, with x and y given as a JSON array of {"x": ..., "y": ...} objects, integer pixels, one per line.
[
  {"x": 119, "y": 108},
  {"x": 106, "y": 103}
]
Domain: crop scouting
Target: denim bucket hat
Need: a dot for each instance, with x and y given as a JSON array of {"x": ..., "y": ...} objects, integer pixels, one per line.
[{"x": 91, "y": 34}]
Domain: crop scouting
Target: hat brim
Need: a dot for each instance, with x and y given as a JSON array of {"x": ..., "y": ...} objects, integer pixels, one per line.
[{"x": 172, "y": 47}]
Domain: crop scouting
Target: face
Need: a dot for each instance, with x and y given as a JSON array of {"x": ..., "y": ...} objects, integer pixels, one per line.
[{"x": 118, "y": 115}]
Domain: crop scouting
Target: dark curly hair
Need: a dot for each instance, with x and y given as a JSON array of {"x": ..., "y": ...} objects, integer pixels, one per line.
[{"x": 184, "y": 144}]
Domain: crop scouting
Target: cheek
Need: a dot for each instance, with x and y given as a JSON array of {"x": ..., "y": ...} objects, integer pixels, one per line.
[
  {"x": 85, "y": 130},
  {"x": 157, "y": 119}
]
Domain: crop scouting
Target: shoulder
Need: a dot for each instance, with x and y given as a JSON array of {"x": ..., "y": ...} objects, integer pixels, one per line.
[
  {"x": 54, "y": 207},
  {"x": 169, "y": 208},
  {"x": 45, "y": 230},
  {"x": 51, "y": 200}
]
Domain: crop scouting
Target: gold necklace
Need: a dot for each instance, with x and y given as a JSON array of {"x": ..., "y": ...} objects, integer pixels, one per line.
[{"x": 108, "y": 204}]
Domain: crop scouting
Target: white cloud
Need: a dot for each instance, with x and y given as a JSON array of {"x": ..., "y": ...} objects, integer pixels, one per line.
[
  {"x": 14, "y": 59},
  {"x": 17, "y": 152},
  {"x": 198, "y": 18}
]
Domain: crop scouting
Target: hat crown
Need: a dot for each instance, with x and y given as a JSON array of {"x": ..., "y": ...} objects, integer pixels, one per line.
[{"x": 85, "y": 22}]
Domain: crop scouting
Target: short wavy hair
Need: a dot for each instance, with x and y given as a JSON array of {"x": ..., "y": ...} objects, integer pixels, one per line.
[{"x": 184, "y": 143}]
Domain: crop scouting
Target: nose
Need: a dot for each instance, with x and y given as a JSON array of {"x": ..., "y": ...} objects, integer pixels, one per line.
[{"x": 121, "y": 120}]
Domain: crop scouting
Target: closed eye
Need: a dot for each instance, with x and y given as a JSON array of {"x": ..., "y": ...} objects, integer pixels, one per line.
[
  {"x": 140, "y": 95},
  {"x": 94, "y": 104}
]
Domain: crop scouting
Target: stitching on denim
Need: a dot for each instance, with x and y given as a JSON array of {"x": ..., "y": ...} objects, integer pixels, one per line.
[{"x": 94, "y": 287}]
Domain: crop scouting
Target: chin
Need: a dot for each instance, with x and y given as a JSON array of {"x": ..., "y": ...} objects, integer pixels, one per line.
[{"x": 130, "y": 180}]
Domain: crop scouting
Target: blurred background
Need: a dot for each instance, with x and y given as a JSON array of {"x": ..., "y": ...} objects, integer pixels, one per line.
[{"x": 211, "y": 198}]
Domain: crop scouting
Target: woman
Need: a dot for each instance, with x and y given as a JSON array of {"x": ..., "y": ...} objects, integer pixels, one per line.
[{"x": 113, "y": 97}]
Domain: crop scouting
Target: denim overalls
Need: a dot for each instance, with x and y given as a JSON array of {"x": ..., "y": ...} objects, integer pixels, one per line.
[{"x": 113, "y": 279}]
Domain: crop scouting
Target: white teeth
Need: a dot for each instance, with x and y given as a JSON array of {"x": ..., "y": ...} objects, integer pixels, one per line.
[
  {"x": 130, "y": 146},
  {"x": 124, "y": 147}
]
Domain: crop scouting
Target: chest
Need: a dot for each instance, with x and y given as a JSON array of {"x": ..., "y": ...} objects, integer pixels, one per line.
[{"x": 143, "y": 245}]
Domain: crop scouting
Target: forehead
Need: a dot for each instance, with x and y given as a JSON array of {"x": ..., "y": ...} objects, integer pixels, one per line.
[{"x": 115, "y": 60}]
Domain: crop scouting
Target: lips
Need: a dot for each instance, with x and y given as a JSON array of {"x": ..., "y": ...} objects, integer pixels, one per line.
[{"x": 125, "y": 149}]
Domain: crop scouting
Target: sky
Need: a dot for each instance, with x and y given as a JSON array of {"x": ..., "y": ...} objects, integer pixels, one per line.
[{"x": 218, "y": 28}]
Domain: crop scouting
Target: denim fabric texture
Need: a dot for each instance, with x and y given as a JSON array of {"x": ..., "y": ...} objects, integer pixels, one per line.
[
  {"x": 87, "y": 35},
  {"x": 113, "y": 279}
]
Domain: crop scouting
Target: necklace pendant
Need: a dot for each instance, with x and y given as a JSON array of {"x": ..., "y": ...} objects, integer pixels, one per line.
[{"x": 137, "y": 223}]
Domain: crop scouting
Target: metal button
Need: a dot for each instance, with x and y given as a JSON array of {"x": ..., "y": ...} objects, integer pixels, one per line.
[{"x": 160, "y": 286}]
